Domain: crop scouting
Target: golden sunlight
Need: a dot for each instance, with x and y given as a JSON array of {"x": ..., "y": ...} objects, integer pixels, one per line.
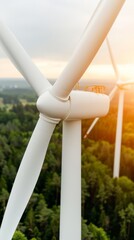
[{"x": 52, "y": 69}]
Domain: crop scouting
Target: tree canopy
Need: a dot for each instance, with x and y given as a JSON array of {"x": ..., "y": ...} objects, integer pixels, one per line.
[{"x": 107, "y": 203}]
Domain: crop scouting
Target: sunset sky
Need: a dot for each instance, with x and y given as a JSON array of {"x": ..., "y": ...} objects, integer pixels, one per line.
[{"x": 50, "y": 29}]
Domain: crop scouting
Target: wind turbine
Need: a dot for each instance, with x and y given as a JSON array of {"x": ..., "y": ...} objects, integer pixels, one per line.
[
  {"x": 120, "y": 85},
  {"x": 56, "y": 103}
]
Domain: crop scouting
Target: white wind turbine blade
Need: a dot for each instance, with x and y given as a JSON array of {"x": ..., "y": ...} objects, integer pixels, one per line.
[
  {"x": 87, "y": 48},
  {"x": 112, "y": 60},
  {"x": 112, "y": 93},
  {"x": 70, "y": 214},
  {"x": 26, "y": 177},
  {"x": 122, "y": 84},
  {"x": 91, "y": 127},
  {"x": 22, "y": 61},
  {"x": 117, "y": 153}
]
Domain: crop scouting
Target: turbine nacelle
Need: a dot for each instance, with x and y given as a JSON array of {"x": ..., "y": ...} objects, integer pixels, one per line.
[{"x": 80, "y": 105}]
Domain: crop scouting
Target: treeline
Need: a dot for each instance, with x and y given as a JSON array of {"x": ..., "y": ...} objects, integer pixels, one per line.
[
  {"x": 107, "y": 203},
  {"x": 13, "y": 95}
]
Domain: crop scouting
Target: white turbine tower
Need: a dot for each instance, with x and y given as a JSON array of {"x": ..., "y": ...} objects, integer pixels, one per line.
[
  {"x": 120, "y": 85},
  {"x": 56, "y": 103}
]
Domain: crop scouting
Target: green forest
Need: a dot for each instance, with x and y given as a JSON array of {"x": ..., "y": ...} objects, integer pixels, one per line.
[{"x": 107, "y": 203}]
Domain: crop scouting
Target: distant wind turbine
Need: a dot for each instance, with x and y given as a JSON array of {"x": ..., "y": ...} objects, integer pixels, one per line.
[{"x": 120, "y": 85}]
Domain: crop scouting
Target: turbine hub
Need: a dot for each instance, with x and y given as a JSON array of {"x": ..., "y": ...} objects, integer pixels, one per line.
[{"x": 52, "y": 108}]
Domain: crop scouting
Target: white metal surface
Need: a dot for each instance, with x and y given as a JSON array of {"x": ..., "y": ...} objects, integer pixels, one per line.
[
  {"x": 70, "y": 217},
  {"x": 112, "y": 60},
  {"x": 26, "y": 178},
  {"x": 22, "y": 61},
  {"x": 113, "y": 92},
  {"x": 84, "y": 105},
  {"x": 123, "y": 84},
  {"x": 80, "y": 105},
  {"x": 111, "y": 95},
  {"x": 87, "y": 48},
  {"x": 118, "y": 141},
  {"x": 91, "y": 127}
]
